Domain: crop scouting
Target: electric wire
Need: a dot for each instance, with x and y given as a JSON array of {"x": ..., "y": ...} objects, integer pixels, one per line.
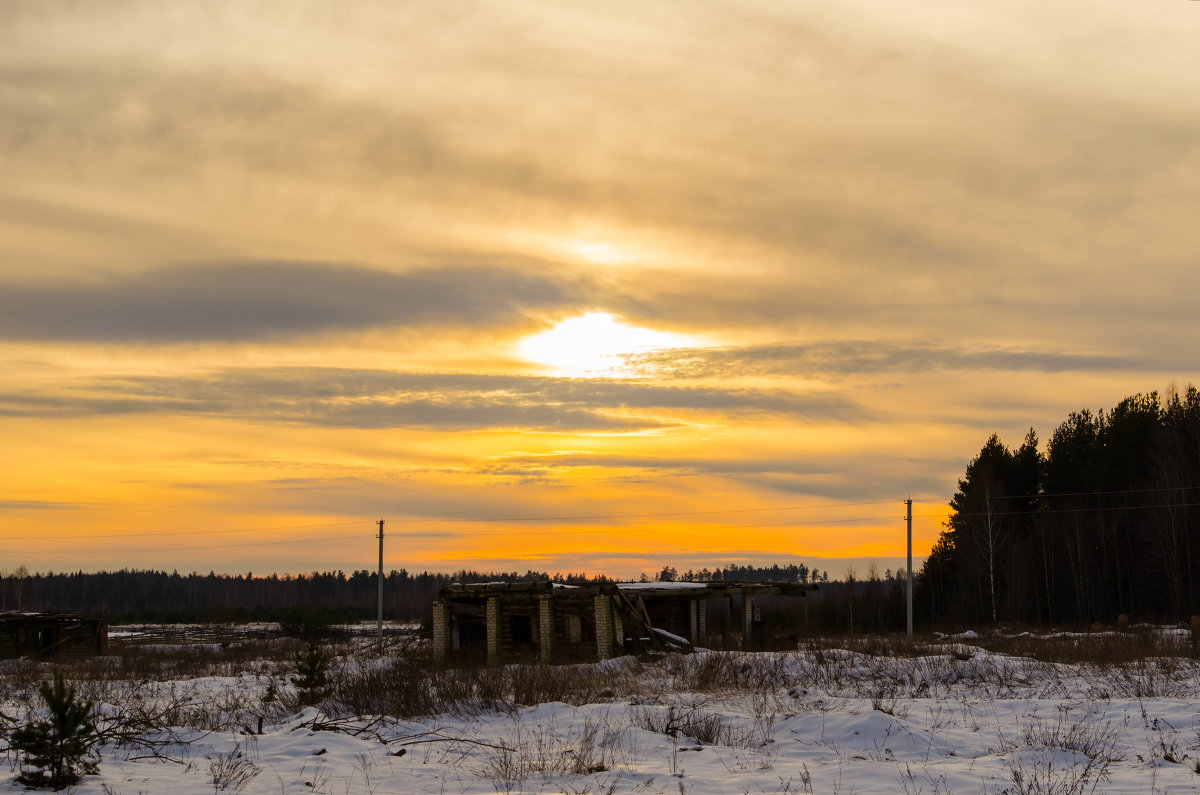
[
  {"x": 797, "y": 525},
  {"x": 612, "y": 531},
  {"x": 1078, "y": 494},
  {"x": 456, "y": 535},
  {"x": 457, "y": 520},
  {"x": 643, "y": 515},
  {"x": 191, "y": 532},
  {"x": 1092, "y": 509},
  {"x": 181, "y": 549}
]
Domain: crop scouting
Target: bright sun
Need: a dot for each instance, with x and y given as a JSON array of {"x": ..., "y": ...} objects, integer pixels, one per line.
[{"x": 594, "y": 343}]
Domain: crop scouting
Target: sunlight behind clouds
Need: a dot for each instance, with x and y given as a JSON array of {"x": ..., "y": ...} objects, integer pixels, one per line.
[
  {"x": 596, "y": 252},
  {"x": 596, "y": 344},
  {"x": 273, "y": 263}
]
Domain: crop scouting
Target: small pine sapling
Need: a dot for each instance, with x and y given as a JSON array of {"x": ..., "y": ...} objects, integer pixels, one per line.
[
  {"x": 60, "y": 750},
  {"x": 311, "y": 679}
]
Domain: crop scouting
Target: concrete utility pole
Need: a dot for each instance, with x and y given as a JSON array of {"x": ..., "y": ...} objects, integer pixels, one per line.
[
  {"x": 379, "y": 619},
  {"x": 909, "y": 504}
]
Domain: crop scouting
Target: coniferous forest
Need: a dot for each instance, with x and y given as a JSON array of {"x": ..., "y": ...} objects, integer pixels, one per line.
[
  {"x": 148, "y": 595},
  {"x": 1103, "y": 522}
]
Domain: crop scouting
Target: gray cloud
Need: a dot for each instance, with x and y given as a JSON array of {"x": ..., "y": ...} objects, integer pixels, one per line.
[
  {"x": 1041, "y": 163},
  {"x": 387, "y": 399},
  {"x": 38, "y": 505},
  {"x": 993, "y": 219},
  {"x": 853, "y": 357},
  {"x": 407, "y": 494},
  {"x": 233, "y": 301},
  {"x": 833, "y": 476},
  {"x": 119, "y": 119}
]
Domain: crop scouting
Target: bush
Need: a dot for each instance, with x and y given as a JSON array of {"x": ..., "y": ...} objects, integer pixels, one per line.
[
  {"x": 307, "y": 623},
  {"x": 61, "y": 748}
]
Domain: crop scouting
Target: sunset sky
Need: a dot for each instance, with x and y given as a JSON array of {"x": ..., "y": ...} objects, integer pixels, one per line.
[{"x": 585, "y": 286}]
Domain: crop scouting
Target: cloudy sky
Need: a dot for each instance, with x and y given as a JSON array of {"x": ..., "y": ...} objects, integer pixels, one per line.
[{"x": 587, "y": 286}]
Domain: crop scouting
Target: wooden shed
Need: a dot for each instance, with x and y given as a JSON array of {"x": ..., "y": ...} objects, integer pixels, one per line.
[
  {"x": 52, "y": 636},
  {"x": 500, "y": 622}
]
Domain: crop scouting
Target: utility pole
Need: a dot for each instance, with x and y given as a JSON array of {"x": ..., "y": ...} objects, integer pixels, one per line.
[
  {"x": 379, "y": 619},
  {"x": 909, "y": 504}
]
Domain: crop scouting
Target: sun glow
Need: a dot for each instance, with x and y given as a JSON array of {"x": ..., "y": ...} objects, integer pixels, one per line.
[
  {"x": 596, "y": 252},
  {"x": 595, "y": 343}
]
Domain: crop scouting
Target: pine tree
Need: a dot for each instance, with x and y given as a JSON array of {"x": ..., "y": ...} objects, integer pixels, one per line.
[
  {"x": 61, "y": 748},
  {"x": 311, "y": 679},
  {"x": 979, "y": 519}
]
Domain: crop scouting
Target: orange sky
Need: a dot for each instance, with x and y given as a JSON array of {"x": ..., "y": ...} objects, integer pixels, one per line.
[{"x": 590, "y": 287}]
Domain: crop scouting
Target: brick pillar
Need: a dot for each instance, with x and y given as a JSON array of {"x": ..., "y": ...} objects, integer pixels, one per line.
[
  {"x": 546, "y": 627},
  {"x": 618, "y": 633},
  {"x": 441, "y": 631},
  {"x": 493, "y": 630},
  {"x": 604, "y": 627}
]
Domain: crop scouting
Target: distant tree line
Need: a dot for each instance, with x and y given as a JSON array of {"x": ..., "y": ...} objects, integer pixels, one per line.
[
  {"x": 1103, "y": 523},
  {"x": 150, "y": 595},
  {"x": 161, "y": 596},
  {"x": 875, "y": 603},
  {"x": 792, "y": 573}
]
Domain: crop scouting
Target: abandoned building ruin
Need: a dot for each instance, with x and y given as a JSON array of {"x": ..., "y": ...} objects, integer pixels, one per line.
[
  {"x": 52, "y": 636},
  {"x": 502, "y": 622}
]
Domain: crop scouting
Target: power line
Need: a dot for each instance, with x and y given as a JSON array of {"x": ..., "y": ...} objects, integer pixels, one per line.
[
  {"x": 190, "y": 532},
  {"x": 612, "y": 531},
  {"x": 798, "y": 525},
  {"x": 1077, "y": 494},
  {"x": 583, "y": 517},
  {"x": 181, "y": 549},
  {"x": 642, "y": 515},
  {"x": 458, "y": 520},
  {"x": 1092, "y": 509},
  {"x": 455, "y": 535}
]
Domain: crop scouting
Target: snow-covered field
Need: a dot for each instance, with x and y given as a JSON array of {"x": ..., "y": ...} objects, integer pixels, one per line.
[{"x": 945, "y": 717}]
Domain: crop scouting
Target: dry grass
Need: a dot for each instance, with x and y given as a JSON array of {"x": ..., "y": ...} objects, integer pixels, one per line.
[
  {"x": 151, "y": 682},
  {"x": 1096, "y": 648},
  {"x": 156, "y": 696},
  {"x": 409, "y": 686}
]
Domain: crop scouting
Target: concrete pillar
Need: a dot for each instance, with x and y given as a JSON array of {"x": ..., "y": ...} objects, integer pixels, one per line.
[
  {"x": 618, "y": 633},
  {"x": 699, "y": 620},
  {"x": 727, "y": 627},
  {"x": 604, "y": 627},
  {"x": 546, "y": 627},
  {"x": 749, "y": 613},
  {"x": 441, "y": 631},
  {"x": 493, "y": 630},
  {"x": 574, "y": 630}
]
